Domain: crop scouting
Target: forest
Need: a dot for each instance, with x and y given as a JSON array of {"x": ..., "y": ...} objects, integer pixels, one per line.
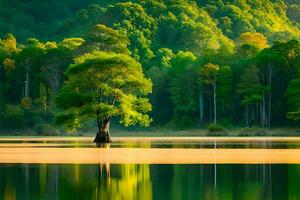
[{"x": 234, "y": 63}]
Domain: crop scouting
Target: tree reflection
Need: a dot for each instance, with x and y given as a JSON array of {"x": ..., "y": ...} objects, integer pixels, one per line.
[
  {"x": 128, "y": 181},
  {"x": 9, "y": 193},
  {"x": 136, "y": 181}
]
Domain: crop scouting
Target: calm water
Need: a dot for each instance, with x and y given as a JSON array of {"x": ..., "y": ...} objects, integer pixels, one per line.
[{"x": 129, "y": 181}]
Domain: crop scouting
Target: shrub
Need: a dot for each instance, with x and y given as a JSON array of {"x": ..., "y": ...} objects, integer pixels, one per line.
[
  {"x": 216, "y": 130},
  {"x": 13, "y": 118}
]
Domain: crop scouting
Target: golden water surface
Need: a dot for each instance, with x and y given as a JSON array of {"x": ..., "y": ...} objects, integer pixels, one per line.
[{"x": 61, "y": 150}]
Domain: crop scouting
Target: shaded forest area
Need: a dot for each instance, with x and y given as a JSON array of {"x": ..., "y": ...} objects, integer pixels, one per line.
[{"x": 233, "y": 63}]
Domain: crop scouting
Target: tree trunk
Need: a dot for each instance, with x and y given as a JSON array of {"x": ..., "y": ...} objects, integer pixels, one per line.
[
  {"x": 201, "y": 106},
  {"x": 26, "y": 89},
  {"x": 257, "y": 113},
  {"x": 264, "y": 110},
  {"x": 27, "y": 85},
  {"x": 247, "y": 116},
  {"x": 270, "y": 96},
  {"x": 210, "y": 107},
  {"x": 103, "y": 134},
  {"x": 260, "y": 113},
  {"x": 215, "y": 103}
]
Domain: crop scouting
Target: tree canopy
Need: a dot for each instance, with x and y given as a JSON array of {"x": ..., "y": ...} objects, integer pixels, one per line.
[{"x": 231, "y": 62}]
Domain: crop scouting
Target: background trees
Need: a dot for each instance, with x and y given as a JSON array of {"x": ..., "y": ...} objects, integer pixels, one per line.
[
  {"x": 234, "y": 62},
  {"x": 209, "y": 73},
  {"x": 183, "y": 88}
]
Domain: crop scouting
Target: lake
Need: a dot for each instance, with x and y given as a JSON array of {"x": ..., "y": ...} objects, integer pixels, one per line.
[{"x": 150, "y": 168}]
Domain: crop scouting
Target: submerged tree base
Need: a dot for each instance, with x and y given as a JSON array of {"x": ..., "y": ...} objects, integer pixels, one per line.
[{"x": 102, "y": 138}]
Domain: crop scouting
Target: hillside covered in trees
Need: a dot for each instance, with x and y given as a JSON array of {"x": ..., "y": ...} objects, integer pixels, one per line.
[{"x": 234, "y": 63}]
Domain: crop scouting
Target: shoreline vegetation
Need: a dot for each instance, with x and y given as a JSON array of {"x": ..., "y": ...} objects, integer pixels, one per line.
[{"x": 163, "y": 132}]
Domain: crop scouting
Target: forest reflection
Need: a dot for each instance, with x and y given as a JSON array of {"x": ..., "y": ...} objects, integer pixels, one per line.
[{"x": 143, "y": 181}]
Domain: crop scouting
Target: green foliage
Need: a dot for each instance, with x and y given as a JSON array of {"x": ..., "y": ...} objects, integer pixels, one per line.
[
  {"x": 249, "y": 87},
  {"x": 103, "y": 38},
  {"x": 224, "y": 89},
  {"x": 183, "y": 85},
  {"x": 267, "y": 17},
  {"x": 294, "y": 115},
  {"x": 102, "y": 85},
  {"x": 209, "y": 73},
  {"x": 45, "y": 129},
  {"x": 42, "y": 64},
  {"x": 293, "y": 94},
  {"x": 241, "y": 57},
  {"x": 256, "y": 39},
  {"x": 12, "y": 118},
  {"x": 71, "y": 43},
  {"x": 164, "y": 57},
  {"x": 216, "y": 130}
]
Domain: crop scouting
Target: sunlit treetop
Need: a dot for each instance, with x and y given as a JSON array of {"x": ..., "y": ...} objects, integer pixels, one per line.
[
  {"x": 103, "y": 38},
  {"x": 9, "y": 44},
  {"x": 72, "y": 43},
  {"x": 250, "y": 38},
  {"x": 209, "y": 73}
]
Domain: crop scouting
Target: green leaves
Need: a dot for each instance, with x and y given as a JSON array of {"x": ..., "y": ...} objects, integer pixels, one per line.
[
  {"x": 72, "y": 99},
  {"x": 72, "y": 43},
  {"x": 183, "y": 87},
  {"x": 293, "y": 94},
  {"x": 209, "y": 73},
  {"x": 266, "y": 17},
  {"x": 132, "y": 109},
  {"x": 115, "y": 71},
  {"x": 103, "y": 110},
  {"x": 102, "y": 84},
  {"x": 103, "y": 38},
  {"x": 9, "y": 44},
  {"x": 250, "y": 87},
  {"x": 294, "y": 115},
  {"x": 256, "y": 39}
]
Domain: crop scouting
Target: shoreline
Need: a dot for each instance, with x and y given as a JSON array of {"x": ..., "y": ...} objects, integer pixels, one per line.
[{"x": 163, "y": 132}]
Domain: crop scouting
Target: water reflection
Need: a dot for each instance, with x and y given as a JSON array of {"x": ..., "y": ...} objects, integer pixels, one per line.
[{"x": 131, "y": 181}]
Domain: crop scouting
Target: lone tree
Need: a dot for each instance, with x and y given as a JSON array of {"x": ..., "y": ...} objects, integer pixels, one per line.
[{"x": 101, "y": 85}]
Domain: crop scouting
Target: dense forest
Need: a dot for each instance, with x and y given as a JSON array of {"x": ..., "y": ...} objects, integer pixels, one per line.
[{"x": 228, "y": 62}]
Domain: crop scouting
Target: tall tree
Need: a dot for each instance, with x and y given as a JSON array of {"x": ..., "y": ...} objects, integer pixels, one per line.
[
  {"x": 251, "y": 91},
  {"x": 209, "y": 73},
  {"x": 224, "y": 90},
  {"x": 183, "y": 88},
  {"x": 101, "y": 85},
  {"x": 28, "y": 58},
  {"x": 293, "y": 94},
  {"x": 103, "y": 38}
]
